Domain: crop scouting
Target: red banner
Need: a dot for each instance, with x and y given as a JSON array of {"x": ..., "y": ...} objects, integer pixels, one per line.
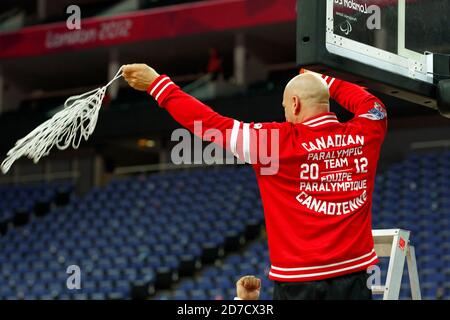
[{"x": 186, "y": 19}]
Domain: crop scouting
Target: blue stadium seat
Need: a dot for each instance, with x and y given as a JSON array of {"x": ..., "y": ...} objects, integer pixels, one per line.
[
  {"x": 199, "y": 295},
  {"x": 180, "y": 295}
]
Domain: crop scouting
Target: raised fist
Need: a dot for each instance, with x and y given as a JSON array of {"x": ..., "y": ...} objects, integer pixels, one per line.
[{"x": 139, "y": 76}]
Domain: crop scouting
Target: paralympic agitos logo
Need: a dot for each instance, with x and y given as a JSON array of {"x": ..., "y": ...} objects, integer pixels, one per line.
[{"x": 346, "y": 27}]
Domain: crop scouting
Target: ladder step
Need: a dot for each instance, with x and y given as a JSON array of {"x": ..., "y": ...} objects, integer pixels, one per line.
[{"x": 377, "y": 289}]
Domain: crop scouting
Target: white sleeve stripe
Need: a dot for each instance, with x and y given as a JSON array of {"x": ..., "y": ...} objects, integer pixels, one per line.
[
  {"x": 234, "y": 136},
  {"x": 246, "y": 143},
  {"x": 331, "y": 82},
  {"x": 158, "y": 84},
  {"x": 162, "y": 90},
  {"x": 326, "y": 78}
]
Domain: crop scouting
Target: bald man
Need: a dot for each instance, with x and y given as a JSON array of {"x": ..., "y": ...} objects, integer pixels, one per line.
[
  {"x": 315, "y": 175},
  {"x": 309, "y": 90}
]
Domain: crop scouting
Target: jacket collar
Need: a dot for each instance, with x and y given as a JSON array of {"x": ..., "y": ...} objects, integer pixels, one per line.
[{"x": 321, "y": 119}]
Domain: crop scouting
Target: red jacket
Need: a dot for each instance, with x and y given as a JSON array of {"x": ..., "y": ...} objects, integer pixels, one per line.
[{"x": 317, "y": 201}]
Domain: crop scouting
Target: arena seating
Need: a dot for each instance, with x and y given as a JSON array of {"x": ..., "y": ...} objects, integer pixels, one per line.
[
  {"x": 219, "y": 282},
  {"x": 133, "y": 236},
  {"x": 189, "y": 235},
  {"x": 17, "y": 203}
]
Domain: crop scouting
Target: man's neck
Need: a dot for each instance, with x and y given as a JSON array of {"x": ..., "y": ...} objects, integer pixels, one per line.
[{"x": 313, "y": 112}]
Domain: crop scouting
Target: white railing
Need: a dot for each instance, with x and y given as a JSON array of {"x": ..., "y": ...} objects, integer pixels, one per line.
[
  {"x": 39, "y": 177},
  {"x": 198, "y": 83},
  {"x": 430, "y": 144},
  {"x": 162, "y": 167}
]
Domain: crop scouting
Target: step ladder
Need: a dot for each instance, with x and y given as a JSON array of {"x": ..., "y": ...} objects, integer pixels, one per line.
[{"x": 394, "y": 243}]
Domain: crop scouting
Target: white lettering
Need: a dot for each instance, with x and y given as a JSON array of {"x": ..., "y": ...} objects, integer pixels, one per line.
[
  {"x": 331, "y": 208},
  {"x": 332, "y": 142}
]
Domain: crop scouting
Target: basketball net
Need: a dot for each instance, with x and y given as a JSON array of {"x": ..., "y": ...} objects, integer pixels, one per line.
[{"x": 66, "y": 128}]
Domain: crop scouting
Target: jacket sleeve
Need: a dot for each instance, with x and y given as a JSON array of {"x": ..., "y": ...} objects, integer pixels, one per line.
[
  {"x": 243, "y": 140},
  {"x": 366, "y": 107}
]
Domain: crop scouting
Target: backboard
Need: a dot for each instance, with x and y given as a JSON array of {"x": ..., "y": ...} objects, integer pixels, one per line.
[{"x": 399, "y": 47}]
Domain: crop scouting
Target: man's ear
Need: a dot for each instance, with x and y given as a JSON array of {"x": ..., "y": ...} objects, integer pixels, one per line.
[{"x": 297, "y": 105}]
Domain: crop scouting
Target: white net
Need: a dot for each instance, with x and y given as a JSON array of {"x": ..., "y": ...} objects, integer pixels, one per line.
[{"x": 66, "y": 128}]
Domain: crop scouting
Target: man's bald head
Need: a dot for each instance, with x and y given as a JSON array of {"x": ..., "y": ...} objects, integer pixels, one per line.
[{"x": 305, "y": 96}]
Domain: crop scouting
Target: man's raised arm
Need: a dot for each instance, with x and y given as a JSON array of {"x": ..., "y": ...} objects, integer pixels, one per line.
[
  {"x": 238, "y": 137},
  {"x": 185, "y": 109},
  {"x": 358, "y": 101}
]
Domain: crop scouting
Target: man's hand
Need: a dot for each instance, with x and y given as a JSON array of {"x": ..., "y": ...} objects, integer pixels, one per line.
[
  {"x": 302, "y": 71},
  {"x": 248, "y": 288},
  {"x": 139, "y": 76}
]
